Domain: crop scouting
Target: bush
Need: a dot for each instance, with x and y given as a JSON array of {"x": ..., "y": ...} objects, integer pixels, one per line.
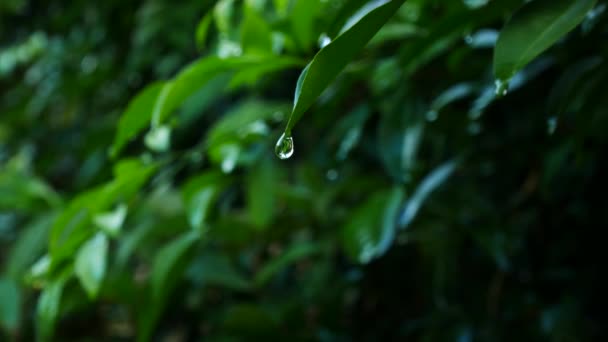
[{"x": 439, "y": 170}]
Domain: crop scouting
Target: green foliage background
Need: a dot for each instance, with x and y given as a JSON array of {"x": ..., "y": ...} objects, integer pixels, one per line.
[{"x": 141, "y": 198}]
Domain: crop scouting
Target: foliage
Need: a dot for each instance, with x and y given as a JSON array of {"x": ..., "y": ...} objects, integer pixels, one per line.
[{"x": 140, "y": 197}]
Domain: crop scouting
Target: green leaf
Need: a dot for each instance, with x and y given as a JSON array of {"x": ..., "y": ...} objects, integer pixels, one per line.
[
  {"x": 218, "y": 270},
  {"x": 29, "y": 246},
  {"x": 21, "y": 191},
  {"x": 202, "y": 30},
  {"x": 261, "y": 198},
  {"x": 400, "y": 133},
  {"x": 10, "y": 307},
  {"x": 91, "y": 262},
  {"x": 370, "y": 231},
  {"x": 48, "y": 309},
  {"x": 165, "y": 261},
  {"x": 158, "y": 138},
  {"x": 167, "y": 270},
  {"x": 199, "y": 194},
  {"x": 136, "y": 117},
  {"x": 244, "y": 120},
  {"x": 111, "y": 222},
  {"x": 256, "y": 36},
  {"x": 429, "y": 184},
  {"x": 292, "y": 255},
  {"x": 303, "y": 15},
  {"x": 187, "y": 82},
  {"x": 330, "y": 61},
  {"x": 533, "y": 29}
]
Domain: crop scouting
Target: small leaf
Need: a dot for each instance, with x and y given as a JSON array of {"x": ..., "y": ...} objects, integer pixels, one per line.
[
  {"x": 10, "y": 307},
  {"x": 261, "y": 198},
  {"x": 330, "y": 61},
  {"x": 400, "y": 133},
  {"x": 111, "y": 222},
  {"x": 533, "y": 29},
  {"x": 199, "y": 194},
  {"x": 256, "y": 36},
  {"x": 303, "y": 15},
  {"x": 47, "y": 311},
  {"x": 429, "y": 184},
  {"x": 371, "y": 229},
  {"x": 158, "y": 139},
  {"x": 276, "y": 265},
  {"x": 195, "y": 76},
  {"x": 167, "y": 269},
  {"x": 202, "y": 29},
  {"x": 90, "y": 264},
  {"x": 136, "y": 117},
  {"x": 29, "y": 246}
]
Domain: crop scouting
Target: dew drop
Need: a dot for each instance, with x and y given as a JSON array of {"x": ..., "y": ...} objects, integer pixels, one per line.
[
  {"x": 552, "y": 125},
  {"x": 502, "y": 87},
  {"x": 432, "y": 115},
  {"x": 332, "y": 175},
  {"x": 284, "y": 147},
  {"x": 324, "y": 40}
]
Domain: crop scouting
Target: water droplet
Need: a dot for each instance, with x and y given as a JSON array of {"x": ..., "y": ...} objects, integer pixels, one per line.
[
  {"x": 432, "y": 115},
  {"x": 502, "y": 87},
  {"x": 284, "y": 147},
  {"x": 552, "y": 125},
  {"x": 324, "y": 40},
  {"x": 332, "y": 175}
]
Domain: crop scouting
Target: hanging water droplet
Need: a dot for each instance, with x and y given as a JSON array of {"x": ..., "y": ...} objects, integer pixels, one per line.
[
  {"x": 502, "y": 87},
  {"x": 324, "y": 40},
  {"x": 432, "y": 115},
  {"x": 552, "y": 125},
  {"x": 332, "y": 175},
  {"x": 284, "y": 147}
]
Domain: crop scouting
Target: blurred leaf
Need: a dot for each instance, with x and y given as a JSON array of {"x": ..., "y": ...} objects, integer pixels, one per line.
[
  {"x": 370, "y": 230},
  {"x": 199, "y": 193},
  {"x": 167, "y": 270},
  {"x": 245, "y": 120},
  {"x": 111, "y": 222},
  {"x": 256, "y": 36},
  {"x": 91, "y": 262},
  {"x": 10, "y": 310},
  {"x": 48, "y": 308},
  {"x": 217, "y": 270},
  {"x": 328, "y": 62},
  {"x": 20, "y": 191},
  {"x": 350, "y": 129},
  {"x": 202, "y": 30},
  {"x": 74, "y": 224},
  {"x": 192, "y": 78},
  {"x": 429, "y": 184},
  {"x": 261, "y": 199},
  {"x": 30, "y": 245},
  {"x": 303, "y": 15},
  {"x": 400, "y": 133},
  {"x": 450, "y": 95},
  {"x": 250, "y": 322},
  {"x": 158, "y": 139},
  {"x": 295, "y": 253},
  {"x": 136, "y": 117},
  {"x": 563, "y": 93},
  {"x": 533, "y": 29}
]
